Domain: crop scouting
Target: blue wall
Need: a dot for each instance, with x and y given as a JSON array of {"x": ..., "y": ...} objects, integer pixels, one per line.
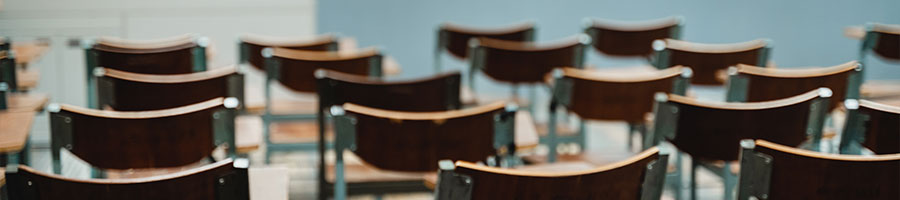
[{"x": 805, "y": 32}]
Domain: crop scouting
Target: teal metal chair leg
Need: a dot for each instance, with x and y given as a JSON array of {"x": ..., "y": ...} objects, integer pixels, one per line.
[
  {"x": 693, "y": 187},
  {"x": 581, "y": 138},
  {"x": 551, "y": 133},
  {"x": 729, "y": 181}
]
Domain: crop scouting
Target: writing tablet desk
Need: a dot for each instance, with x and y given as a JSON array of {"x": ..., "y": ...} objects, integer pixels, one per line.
[
  {"x": 28, "y": 52},
  {"x": 14, "y": 128}
]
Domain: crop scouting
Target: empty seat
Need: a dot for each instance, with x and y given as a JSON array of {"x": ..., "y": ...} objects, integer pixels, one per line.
[
  {"x": 639, "y": 177},
  {"x": 773, "y": 171},
  {"x": 174, "y": 55},
  {"x": 708, "y": 60},
  {"x": 143, "y": 139},
  {"x": 622, "y": 97},
  {"x": 127, "y": 91},
  {"x": 455, "y": 38},
  {"x": 251, "y": 46},
  {"x": 631, "y": 38},
  {"x": 220, "y": 180},
  {"x": 870, "y": 125},
  {"x": 416, "y": 141},
  {"x": 710, "y": 131},
  {"x": 754, "y": 84}
]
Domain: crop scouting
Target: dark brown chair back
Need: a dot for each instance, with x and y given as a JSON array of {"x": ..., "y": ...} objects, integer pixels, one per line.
[
  {"x": 707, "y": 60},
  {"x": 178, "y": 55},
  {"x": 712, "y": 130},
  {"x": 526, "y": 62},
  {"x": 126, "y": 91},
  {"x": 434, "y": 93},
  {"x": 631, "y": 39},
  {"x": 455, "y": 38},
  {"x": 217, "y": 181},
  {"x": 251, "y": 46},
  {"x": 871, "y": 125},
  {"x": 144, "y": 139},
  {"x": 295, "y": 68},
  {"x": 639, "y": 177},
  {"x": 884, "y": 40},
  {"x": 774, "y": 171},
  {"x": 754, "y": 84},
  {"x": 597, "y": 96},
  {"x": 416, "y": 141}
]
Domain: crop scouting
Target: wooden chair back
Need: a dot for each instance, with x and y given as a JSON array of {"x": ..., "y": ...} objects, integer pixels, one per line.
[
  {"x": 251, "y": 46},
  {"x": 526, "y": 62},
  {"x": 712, "y": 130},
  {"x": 754, "y": 84},
  {"x": 176, "y": 55},
  {"x": 774, "y": 171},
  {"x": 597, "y": 96},
  {"x": 871, "y": 125},
  {"x": 631, "y": 39},
  {"x": 126, "y": 91},
  {"x": 434, "y": 93},
  {"x": 455, "y": 38},
  {"x": 639, "y": 177},
  {"x": 883, "y": 40},
  {"x": 707, "y": 60},
  {"x": 222, "y": 180},
  {"x": 143, "y": 139},
  {"x": 416, "y": 141},
  {"x": 295, "y": 68},
  {"x": 5, "y": 44}
]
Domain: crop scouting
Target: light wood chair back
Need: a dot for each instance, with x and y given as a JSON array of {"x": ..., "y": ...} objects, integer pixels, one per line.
[
  {"x": 454, "y": 39},
  {"x": 251, "y": 46},
  {"x": 748, "y": 83},
  {"x": 525, "y": 62},
  {"x": 870, "y": 125},
  {"x": 295, "y": 69},
  {"x": 433, "y": 93}
]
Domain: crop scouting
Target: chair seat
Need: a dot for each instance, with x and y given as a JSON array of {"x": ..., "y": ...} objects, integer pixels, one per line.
[
  {"x": 561, "y": 130},
  {"x": 298, "y": 132},
  {"x": 27, "y": 101},
  {"x": 718, "y": 164},
  {"x": 284, "y": 106},
  {"x": 27, "y": 79},
  {"x": 248, "y": 133},
  {"x": 355, "y": 171},
  {"x": 14, "y": 129},
  {"x": 28, "y": 52}
]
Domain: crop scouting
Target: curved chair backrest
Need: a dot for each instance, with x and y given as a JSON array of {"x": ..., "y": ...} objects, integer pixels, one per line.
[
  {"x": 883, "y": 40},
  {"x": 526, "y": 62},
  {"x": 631, "y": 38},
  {"x": 707, "y": 60},
  {"x": 217, "y": 181},
  {"x": 176, "y": 55},
  {"x": 712, "y": 130},
  {"x": 144, "y": 139},
  {"x": 639, "y": 177},
  {"x": 434, "y": 93},
  {"x": 251, "y": 46},
  {"x": 754, "y": 84},
  {"x": 295, "y": 69},
  {"x": 416, "y": 141},
  {"x": 126, "y": 91},
  {"x": 871, "y": 125},
  {"x": 5, "y": 44},
  {"x": 773, "y": 171},
  {"x": 593, "y": 95},
  {"x": 455, "y": 38}
]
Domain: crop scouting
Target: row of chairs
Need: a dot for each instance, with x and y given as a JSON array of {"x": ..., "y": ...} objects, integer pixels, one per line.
[{"x": 384, "y": 112}]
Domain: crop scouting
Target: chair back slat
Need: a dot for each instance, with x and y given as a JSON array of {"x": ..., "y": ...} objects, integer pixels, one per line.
[
  {"x": 296, "y": 68},
  {"x": 631, "y": 39},
  {"x": 766, "y": 84},
  {"x": 252, "y": 46},
  {"x": 708, "y": 60},
  {"x": 802, "y": 174},
  {"x": 526, "y": 62},
  {"x": 143, "y": 139},
  {"x": 619, "y": 98},
  {"x": 221, "y": 180},
  {"x": 434, "y": 93},
  {"x": 871, "y": 125},
  {"x": 125, "y": 91},
  {"x": 164, "y": 56},
  {"x": 406, "y": 141},
  {"x": 455, "y": 38},
  {"x": 887, "y": 44}
]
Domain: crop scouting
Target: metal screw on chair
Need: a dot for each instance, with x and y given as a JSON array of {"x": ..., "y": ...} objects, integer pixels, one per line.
[
  {"x": 68, "y": 146},
  {"x": 215, "y": 115},
  {"x": 29, "y": 183},
  {"x": 221, "y": 181},
  {"x": 674, "y": 109},
  {"x": 68, "y": 120}
]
